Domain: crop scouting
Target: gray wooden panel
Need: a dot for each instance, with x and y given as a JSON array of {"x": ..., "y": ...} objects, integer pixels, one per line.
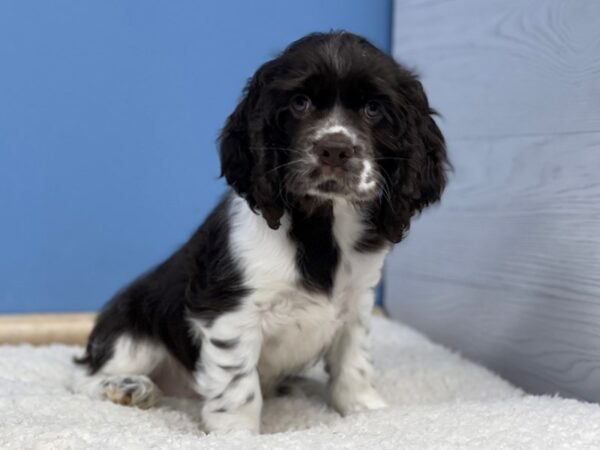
[
  {"x": 505, "y": 67},
  {"x": 507, "y": 269}
]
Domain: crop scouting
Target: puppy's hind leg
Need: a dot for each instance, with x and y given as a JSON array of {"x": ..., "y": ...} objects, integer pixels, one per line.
[{"x": 124, "y": 377}]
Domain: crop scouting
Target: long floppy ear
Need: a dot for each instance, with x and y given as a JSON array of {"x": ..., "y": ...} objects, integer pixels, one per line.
[
  {"x": 418, "y": 177},
  {"x": 244, "y": 163}
]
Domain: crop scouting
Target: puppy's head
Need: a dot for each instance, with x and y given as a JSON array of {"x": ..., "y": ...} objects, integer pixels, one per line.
[{"x": 334, "y": 117}]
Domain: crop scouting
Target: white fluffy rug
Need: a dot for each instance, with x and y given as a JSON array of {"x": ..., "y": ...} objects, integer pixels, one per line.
[{"x": 439, "y": 401}]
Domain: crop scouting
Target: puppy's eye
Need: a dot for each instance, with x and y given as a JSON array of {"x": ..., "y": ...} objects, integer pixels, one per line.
[
  {"x": 373, "y": 110},
  {"x": 300, "y": 103}
]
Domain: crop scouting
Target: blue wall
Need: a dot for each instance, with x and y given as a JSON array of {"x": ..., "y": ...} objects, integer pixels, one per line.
[{"x": 109, "y": 112}]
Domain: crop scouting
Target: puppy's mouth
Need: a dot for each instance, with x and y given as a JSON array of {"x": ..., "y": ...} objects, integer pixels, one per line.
[
  {"x": 334, "y": 180},
  {"x": 330, "y": 182},
  {"x": 331, "y": 187}
]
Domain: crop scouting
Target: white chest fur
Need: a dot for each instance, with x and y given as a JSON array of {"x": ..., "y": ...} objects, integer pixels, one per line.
[{"x": 297, "y": 325}]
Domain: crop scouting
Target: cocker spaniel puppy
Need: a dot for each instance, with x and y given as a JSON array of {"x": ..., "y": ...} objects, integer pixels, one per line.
[{"x": 329, "y": 154}]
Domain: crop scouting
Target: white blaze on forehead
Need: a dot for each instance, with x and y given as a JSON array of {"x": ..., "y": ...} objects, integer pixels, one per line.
[
  {"x": 335, "y": 129},
  {"x": 366, "y": 183},
  {"x": 334, "y": 124}
]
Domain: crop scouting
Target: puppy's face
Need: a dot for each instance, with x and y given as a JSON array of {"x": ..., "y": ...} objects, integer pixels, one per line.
[
  {"x": 334, "y": 117},
  {"x": 332, "y": 120}
]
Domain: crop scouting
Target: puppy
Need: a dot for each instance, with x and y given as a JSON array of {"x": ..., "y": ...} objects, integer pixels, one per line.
[{"x": 329, "y": 154}]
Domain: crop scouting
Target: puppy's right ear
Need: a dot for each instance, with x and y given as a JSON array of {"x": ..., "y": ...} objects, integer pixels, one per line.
[
  {"x": 243, "y": 162},
  {"x": 236, "y": 157}
]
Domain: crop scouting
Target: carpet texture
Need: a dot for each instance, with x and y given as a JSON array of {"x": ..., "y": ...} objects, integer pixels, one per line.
[{"x": 439, "y": 401}]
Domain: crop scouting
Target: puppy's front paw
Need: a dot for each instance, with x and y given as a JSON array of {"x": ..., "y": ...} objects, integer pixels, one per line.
[
  {"x": 224, "y": 420},
  {"x": 346, "y": 400}
]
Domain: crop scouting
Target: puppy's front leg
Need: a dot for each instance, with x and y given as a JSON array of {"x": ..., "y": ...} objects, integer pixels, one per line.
[
  {"x": 349, "y": 363},
  {"x": 226, "y": 374}
]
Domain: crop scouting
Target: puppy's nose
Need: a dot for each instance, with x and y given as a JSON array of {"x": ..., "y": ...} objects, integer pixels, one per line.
[{"x": 334, "y": 152}]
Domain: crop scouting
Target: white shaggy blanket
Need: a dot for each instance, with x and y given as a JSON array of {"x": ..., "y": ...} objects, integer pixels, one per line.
[{"x": 439, "y": 401}]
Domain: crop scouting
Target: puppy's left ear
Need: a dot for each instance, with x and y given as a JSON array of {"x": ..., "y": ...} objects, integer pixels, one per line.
[
  {"x": 244, "y": 162},
  {"x": 419, "y": 177}
]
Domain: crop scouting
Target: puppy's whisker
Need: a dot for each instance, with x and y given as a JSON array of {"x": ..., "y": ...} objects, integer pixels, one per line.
[
  {"x": 384, "y": 183},
  {"x": 399, "y": 158},
  {"x": 266, "y": 147},
  {"x": 285, "y": 165},
  {"x": 386, "y": 194}
]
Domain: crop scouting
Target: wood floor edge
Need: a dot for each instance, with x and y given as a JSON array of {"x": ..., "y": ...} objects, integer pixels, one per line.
[
  {"x": 43, "y": 329},
  {"x": 61, "y": 328}
]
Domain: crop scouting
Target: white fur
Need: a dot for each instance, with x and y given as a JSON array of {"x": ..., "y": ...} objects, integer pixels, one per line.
[
  {"x": 227, "y": 378},
  {"x": 134, "y": 356},
  {"x": 124, "y": 379},
  {"x": 336, "y": 128},
  {"x": 298, "y": 326},
  {"x": 334, "y": 123},
  {"x": 366, "y": 182}
]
